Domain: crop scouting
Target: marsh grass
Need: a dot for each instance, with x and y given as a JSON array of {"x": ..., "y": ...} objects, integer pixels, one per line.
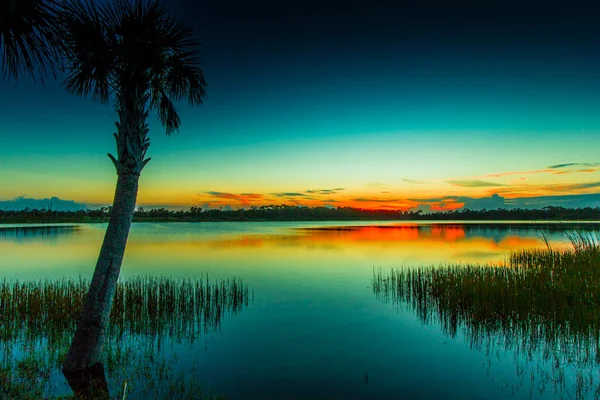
[
  {"x": 154, "y": 306},
  {"x": 542, "y": 303},
  {"x": 38, "y": 319}
]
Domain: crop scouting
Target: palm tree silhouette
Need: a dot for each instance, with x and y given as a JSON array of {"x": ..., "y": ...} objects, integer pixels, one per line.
[
  {"x": 136, "y": 54},
  {"x": 28, "y": 38}
]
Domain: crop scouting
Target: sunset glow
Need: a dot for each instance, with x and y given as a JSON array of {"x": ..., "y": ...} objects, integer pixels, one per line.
[{"x": 394, "y": 128}]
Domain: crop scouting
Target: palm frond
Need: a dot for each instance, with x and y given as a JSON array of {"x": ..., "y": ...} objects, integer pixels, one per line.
[
  {"x": 29, "y": 38},
  {"x": 167, "y": 115},
  {"x": 184, "y": 79},
  {"x": 89, "y": 49},
  {"x": 154, "y": 47},
  {"x": 133, "y": 46}
]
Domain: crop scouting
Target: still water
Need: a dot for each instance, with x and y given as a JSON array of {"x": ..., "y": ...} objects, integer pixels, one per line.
[{"x": 314, "y": 330}]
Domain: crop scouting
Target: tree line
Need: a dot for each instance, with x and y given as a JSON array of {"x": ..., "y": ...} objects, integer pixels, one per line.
[{"x": 300, "y": 213}]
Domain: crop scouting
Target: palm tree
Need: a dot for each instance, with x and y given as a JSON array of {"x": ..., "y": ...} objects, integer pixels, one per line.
[
  {"x": 28, "y": 38},
  {"x": 135, "y": 54}
]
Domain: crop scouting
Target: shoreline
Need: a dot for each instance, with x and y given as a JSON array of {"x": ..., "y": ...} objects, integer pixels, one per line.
[{"x": 375, "y": 222}]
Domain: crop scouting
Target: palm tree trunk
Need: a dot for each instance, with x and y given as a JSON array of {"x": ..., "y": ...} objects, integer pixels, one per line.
[
  {"x": 82, "y": 366},
  {"x": 86, "y": 348}
]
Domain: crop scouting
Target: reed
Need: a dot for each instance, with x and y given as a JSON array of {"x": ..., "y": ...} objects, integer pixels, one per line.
[
  {"x": 539, "y": 301},
  {"x": 157, "y": 306},
  {"x": 38, "y": 319}
]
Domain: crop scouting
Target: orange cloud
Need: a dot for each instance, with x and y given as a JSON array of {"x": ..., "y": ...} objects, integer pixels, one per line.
[
  {"x": 217, "y": 198},
  {"x": 539, "y": 171}
]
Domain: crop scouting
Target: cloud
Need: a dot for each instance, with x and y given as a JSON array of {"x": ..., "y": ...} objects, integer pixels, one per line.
[
  {"x": 414, "y": 181},
  {"x": 550, "y": 169},
  {"x": 373, "y": 200},
  {"x": 223, "y": 195},
  {"x": 576, "y": 186},
  {"x": 490, "y": 203},
  {"x": 569, "y": 201},
  {"x": 252, "y": 195},
  {"x": 243, "y": 198},
  {"x": 537, "y": 171},
  {"x": 233, "y": 196},
  {"x": 496, "y": 201},
  {"x": 439, "y": 199},
  {"x": 325, "y": 191},
  {"x": 287, "y": 194},
  {"x": 557, "y": 187},
  {"x": 473, "y": 183},
  {"x": 472, "y": 203},
  {"x": 573, "y": 164},
  {"x": 54, "y": 203},
  {"x": 375, "y": 184}
]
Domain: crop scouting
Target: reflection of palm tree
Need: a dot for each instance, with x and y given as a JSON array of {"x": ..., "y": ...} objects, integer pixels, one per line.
[
  {"x": 28, "y": 37},
  {"x": 134, "y": 53}
]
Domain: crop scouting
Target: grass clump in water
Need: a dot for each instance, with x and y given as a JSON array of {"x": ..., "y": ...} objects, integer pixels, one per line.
[
  {"x": 539, "y": 301},
  {"x": 38, "y": 320},
  {"x": 155, "y": 306}
]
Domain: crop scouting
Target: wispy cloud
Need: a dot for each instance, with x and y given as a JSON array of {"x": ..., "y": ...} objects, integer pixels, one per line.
[
  {"x": 439, "y": 199},
  {"x": 557, "y": 169},
  {"x": 573, "y": 164},
  {"x": 243, "y": 198},
  {"x": 473, "y": 183},
  {"x": 373, "y": 200},
  {"x": 288, "y": 194},
  {"x": 577, "y": 186},
  {"x": 325, "y": 191},
  {"x": 375, "y": 184},
  {"x": 222, "y": 195},
  {"x": 538, "y": 171},
  {"x": 414, "y": 181},
  {"x": 549, "y": 188}
]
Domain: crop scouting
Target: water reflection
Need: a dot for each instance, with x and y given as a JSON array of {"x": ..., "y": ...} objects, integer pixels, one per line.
[
  {"x": 315, "y": 331},
  {"x": 446, "y": 232},
  {"x": 379, "y": 236},
  {"x": 149, "y": 315},
  {"x": 397, "y": 243},
  {"x": 35, "y": 233},
  {"x": 540, "y": 305}
]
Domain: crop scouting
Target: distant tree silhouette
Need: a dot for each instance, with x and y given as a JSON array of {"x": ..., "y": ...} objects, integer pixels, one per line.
[
  {"x": 29, "y": 40},
  {"x": 136, "y": 54},
  {"x": 302, "y": 213}
]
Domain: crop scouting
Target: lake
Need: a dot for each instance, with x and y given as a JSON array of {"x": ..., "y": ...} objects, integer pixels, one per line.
[{"x": 314, "y": 329}]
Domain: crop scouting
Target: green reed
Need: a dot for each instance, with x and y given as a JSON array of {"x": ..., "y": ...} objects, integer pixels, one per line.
[
  {"x": 157, "y": 306},
  {"x": 539, "y": 301},
  {"x": 38, "y": 319}
]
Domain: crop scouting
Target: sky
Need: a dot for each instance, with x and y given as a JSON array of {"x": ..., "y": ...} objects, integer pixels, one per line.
[{"x": 378, "y": 104}]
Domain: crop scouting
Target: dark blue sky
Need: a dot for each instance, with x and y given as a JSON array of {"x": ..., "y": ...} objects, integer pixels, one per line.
[
  {"x": 331, "y": 94},
  {"x": 392, "y": 37}
]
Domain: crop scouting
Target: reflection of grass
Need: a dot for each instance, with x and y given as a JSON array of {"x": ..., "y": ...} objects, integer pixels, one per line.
[
  {"x": 137, "y": 376},
  {"x": 153, "y": 306},
  {"x": 38, "y": 318},
  {"x": 543, "y": 301}
]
